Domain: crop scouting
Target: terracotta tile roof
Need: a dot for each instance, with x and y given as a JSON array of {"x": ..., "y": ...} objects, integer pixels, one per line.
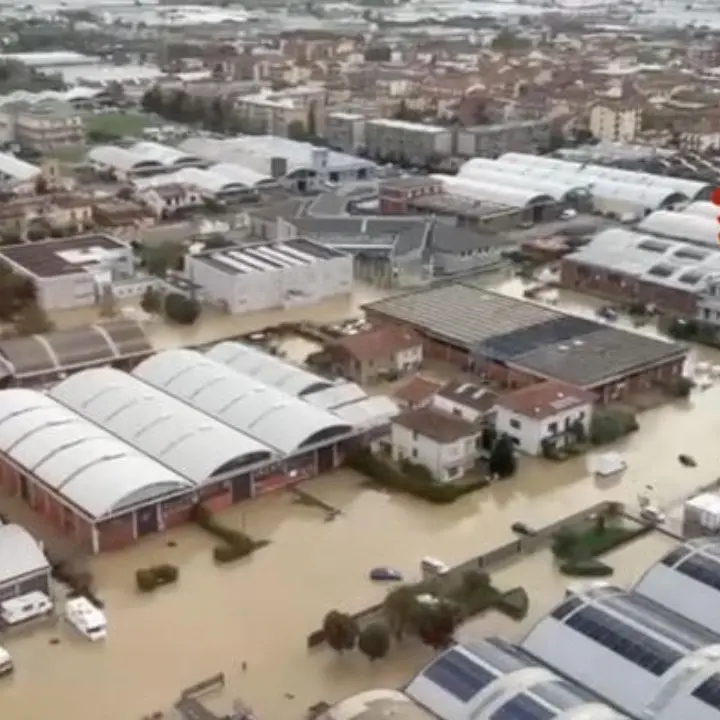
[
  {"x": 438, "y": 426},
  {"x": 545, "y": 399},
  {"x": 416, "y": 390},
  {"x": 469, "y": 392},
  {"x": 378, "y": 342}
]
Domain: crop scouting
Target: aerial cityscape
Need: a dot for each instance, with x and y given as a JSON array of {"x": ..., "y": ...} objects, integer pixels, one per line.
[{"x": 359, "y": 360}]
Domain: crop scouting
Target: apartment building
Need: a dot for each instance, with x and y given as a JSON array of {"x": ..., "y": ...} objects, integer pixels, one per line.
[
  {"x": 345, "y": 131},
  {"x": 44, "y": 126},
  {"x": 616, "y": 121},
  {"x": 491, "y": 141},
  {"x": 416, "y": 143},
  {"x": 275, "y": 111}
]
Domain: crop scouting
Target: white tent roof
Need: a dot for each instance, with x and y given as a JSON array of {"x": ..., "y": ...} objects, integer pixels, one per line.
[
  {"x": 163, "y": 154},
  {"x": 473, "y": 189},
  {"x": 94, "y": 470},
  {"x": 20, "y": 553},
  {"x": 181, "y": 437},
  {"x": 273, "y": 417},
  {"x": 682, "y": 226},
  {"x": 703, "y": 208},
  {"x": 119, "y": 158}
]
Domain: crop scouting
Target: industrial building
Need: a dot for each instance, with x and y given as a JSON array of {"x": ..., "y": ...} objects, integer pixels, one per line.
[
  {"x": 23, "y": 565},
  {"x": 74, "y": 272},
  {"x": 612, "y": 191},
  {"x": 271, "y": 275},
  {"x": 686, "y": 580},
  {"x": 702, "y": 208},
  {"x": 107, "y": 457},
  {"x": 141, "y": 159},
  {"x": 671, "y": 275},
  {"x": 40, "y": 360},
  {"x": 634, "y": 653},
  {"x": 495, "y": 680},
  {"x": 687, "y": 227},
  {"x": 519, "y": 343},
  {"x": 296, "y": 165}
]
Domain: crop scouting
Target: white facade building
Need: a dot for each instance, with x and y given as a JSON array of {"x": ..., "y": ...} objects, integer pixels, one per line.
[
  {"x": 610, "y": 122},
  {"x": 549, "y": 411},
  {"x": 445, "y": 444},
  {"x": 271, "y": 275}
]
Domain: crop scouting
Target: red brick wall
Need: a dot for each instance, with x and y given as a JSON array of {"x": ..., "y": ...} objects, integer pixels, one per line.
[
  {"x": 116, "y": 533},
  {"x": 9, "y": 478}
]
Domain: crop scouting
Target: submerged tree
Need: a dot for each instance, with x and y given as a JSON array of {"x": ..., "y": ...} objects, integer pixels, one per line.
[
  {"x": 341, "y": 631},
  {"x": 374, "y": 641}
]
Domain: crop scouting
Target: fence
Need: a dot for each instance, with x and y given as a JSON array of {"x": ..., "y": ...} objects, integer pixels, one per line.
[{"x": 493, "y": 558}]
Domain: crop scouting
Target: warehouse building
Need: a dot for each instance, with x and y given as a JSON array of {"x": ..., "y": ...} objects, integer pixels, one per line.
[
  {"x": 84, "y": 481},
  {"x": 74, "y": 272},
  {"x": 683, "y": 226},
  {"x": 495, "y": 680},
  {"x": 518, "y": 343},
  {"x": 702, "y": 208},
  {"x": 622, "y": 264},
  {"x": 612, "y": 191},
  {"x": 39, "y": 360},
  {"x": 686, "y": 580},
  {"x": 267, "y": 276},
  {"x": 636, "y": 654},
  {"x": 23, "y": 565}
]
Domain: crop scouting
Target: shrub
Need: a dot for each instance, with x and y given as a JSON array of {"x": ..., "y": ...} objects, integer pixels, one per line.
[
  {"x": 514, "y": 603},
  {"x": 680, "y": 387},
  {"x": 235, "y": 545},
  {"x": 415, "y": 482},
  {"x": 148, "y": 579},
  {"x": 586, "y": 568},
  {"x": 611, "y": 424},
  {"x": 181, "y": 309},
  {"x": 228, "y": 553}
]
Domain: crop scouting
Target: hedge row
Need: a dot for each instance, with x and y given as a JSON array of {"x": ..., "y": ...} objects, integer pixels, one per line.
[
  {"x": 151, "y": 578},
  {"x": 412, "y": 479},
  {"x": 586, "y": 568},
  {"x": 235, "y": 545}
]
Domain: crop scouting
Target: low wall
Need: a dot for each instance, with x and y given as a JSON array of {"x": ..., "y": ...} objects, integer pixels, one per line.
[{"x": 491, "y": 560}]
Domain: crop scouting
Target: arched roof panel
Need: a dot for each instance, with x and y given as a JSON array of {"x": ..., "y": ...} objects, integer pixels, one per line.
[
  {"x": 489, "y": 192},
  {"x": 267, "y": 369},
  {"x": 164, "y": 154},
  {"x": 181, "y": 437},
  {"x": 95, "y": 471},
  {"x": 275, "y": 418},
  {"x": 681, "y": 226},
  {"x": 120, "y": 158},
  {"x": 704, "y": 209}
]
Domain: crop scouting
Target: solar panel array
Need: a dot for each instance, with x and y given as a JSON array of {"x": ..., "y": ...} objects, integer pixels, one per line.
[
  {"x": 523, "y": 707},
  {"x": 459, "y": 676}
]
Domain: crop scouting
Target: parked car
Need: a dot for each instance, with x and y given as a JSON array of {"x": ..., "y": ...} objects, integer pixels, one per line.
[{"x": 385, "y": 574}]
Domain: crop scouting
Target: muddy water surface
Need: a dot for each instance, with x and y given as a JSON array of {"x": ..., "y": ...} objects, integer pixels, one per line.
[{"x": 261, "y": 610}]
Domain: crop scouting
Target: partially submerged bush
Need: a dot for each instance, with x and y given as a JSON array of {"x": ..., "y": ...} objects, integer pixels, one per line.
[
  {"x": 151, "y": 578},
  {"x": 586, "y": 568}
]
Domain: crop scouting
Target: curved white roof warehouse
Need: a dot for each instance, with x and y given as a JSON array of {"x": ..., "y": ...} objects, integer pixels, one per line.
[
  {"x": 184, "y": 439},
  {"x": 164, "y": 154},
  {"x": 687, "y": 581},
  {"x": 703, "y": 208},
  {"x": 494, "y": 680},
  {"x": 95, "y": 471},
  {"x": 273, "y": 417},
  {"x": 690, "y": 188},
  {"x": 119, "y": 158},
  {"x": 267, "y": 369},
  {"x": 638, "y": 655},
  {"x": 503, "y": 194},
  {"x": 680, "y": 226}
]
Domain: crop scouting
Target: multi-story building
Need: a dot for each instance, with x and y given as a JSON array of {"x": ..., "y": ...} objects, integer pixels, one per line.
[
  {"x": 494, "y": 140},
  {"x": 44, "y": 126},
  {"x": 275, "y": 112},
  {"x": 417, "y": 143},
  {"x": 616, "y": 121},
  {"x": 345, "y": 131}
]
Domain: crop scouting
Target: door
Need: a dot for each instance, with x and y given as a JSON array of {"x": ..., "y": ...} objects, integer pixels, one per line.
[
  {"x": 241, "y": 488},
  {"x": 326, "y": 458},
  {"x": 147, "y": 521},
  {"x": 24, "y": 489}
]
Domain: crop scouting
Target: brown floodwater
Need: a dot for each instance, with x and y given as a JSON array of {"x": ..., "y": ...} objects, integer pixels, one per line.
[{"x": 260, "y": 611}]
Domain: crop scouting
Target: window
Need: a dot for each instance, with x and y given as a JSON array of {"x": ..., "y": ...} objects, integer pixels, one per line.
[
  {"x": 624, "y": 640},
  {"x": 702, "y": 569},
  {"x": 515, "y": 423},
  {"x": 414, "y": 452},
  {"x": 458, "y": 675},
  {"x": 552, "y": 427},
  {"x": 709, "y": 691},
  {"x": 523, "y": 707}
]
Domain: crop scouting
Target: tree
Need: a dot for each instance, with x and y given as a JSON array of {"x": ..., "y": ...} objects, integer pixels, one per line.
[
  {"x": 152, "y": 100},
  {"x": 32, "y": 320},
  {"x": 16, "y": 292},
  {"x": 151, "y": 301},
  {"x": 108, "y": 304},
  {"x": 398, "y": 607},
  {"x": 182, "y": 310},
  {"x": 312, "y": 120},
  {"x": 502, "y": 458},
  {"x": 435, "y": 623},
  {"x": 488, "y": 438},
  {"x": 578, "y": 430},
  {"x": 41, "y": 185},
  {"x": 341, "y": 631},
  {"x": 296, "y": 130},
  {"x": 473, "y": 581},
  {"x": 374, "y": 641}
]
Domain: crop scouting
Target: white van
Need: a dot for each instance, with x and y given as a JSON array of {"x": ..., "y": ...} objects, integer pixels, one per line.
[
  {"x": 25, "y": 607},
  {"x": 86, "y": 618},
  {"x": 6, "y": 663},
  {"x": 431, "y": 567}
]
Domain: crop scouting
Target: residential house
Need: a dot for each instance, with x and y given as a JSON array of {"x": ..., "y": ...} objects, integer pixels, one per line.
[
  {"x": 446, "y": 445},
  {"x": 345, "y": 131},
  {"x": 166, "y": 200},
  {"x": 383, "y": 352},
  {"x": 398, "y": 140},
  {"x": 549, "y": 414},
  {"x": 467, "y": 398},
  {"x": 416, "y": 392},
  {"x": 43, "y": 126}
]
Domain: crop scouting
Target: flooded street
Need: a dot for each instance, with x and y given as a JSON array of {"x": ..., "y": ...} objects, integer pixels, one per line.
[{"x": 260, "y": 611}]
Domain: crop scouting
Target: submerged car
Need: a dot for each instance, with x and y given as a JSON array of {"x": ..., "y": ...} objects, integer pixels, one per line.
[
  {"x": 385, "y": 574},
  {"x": 687, "y": 460}
]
